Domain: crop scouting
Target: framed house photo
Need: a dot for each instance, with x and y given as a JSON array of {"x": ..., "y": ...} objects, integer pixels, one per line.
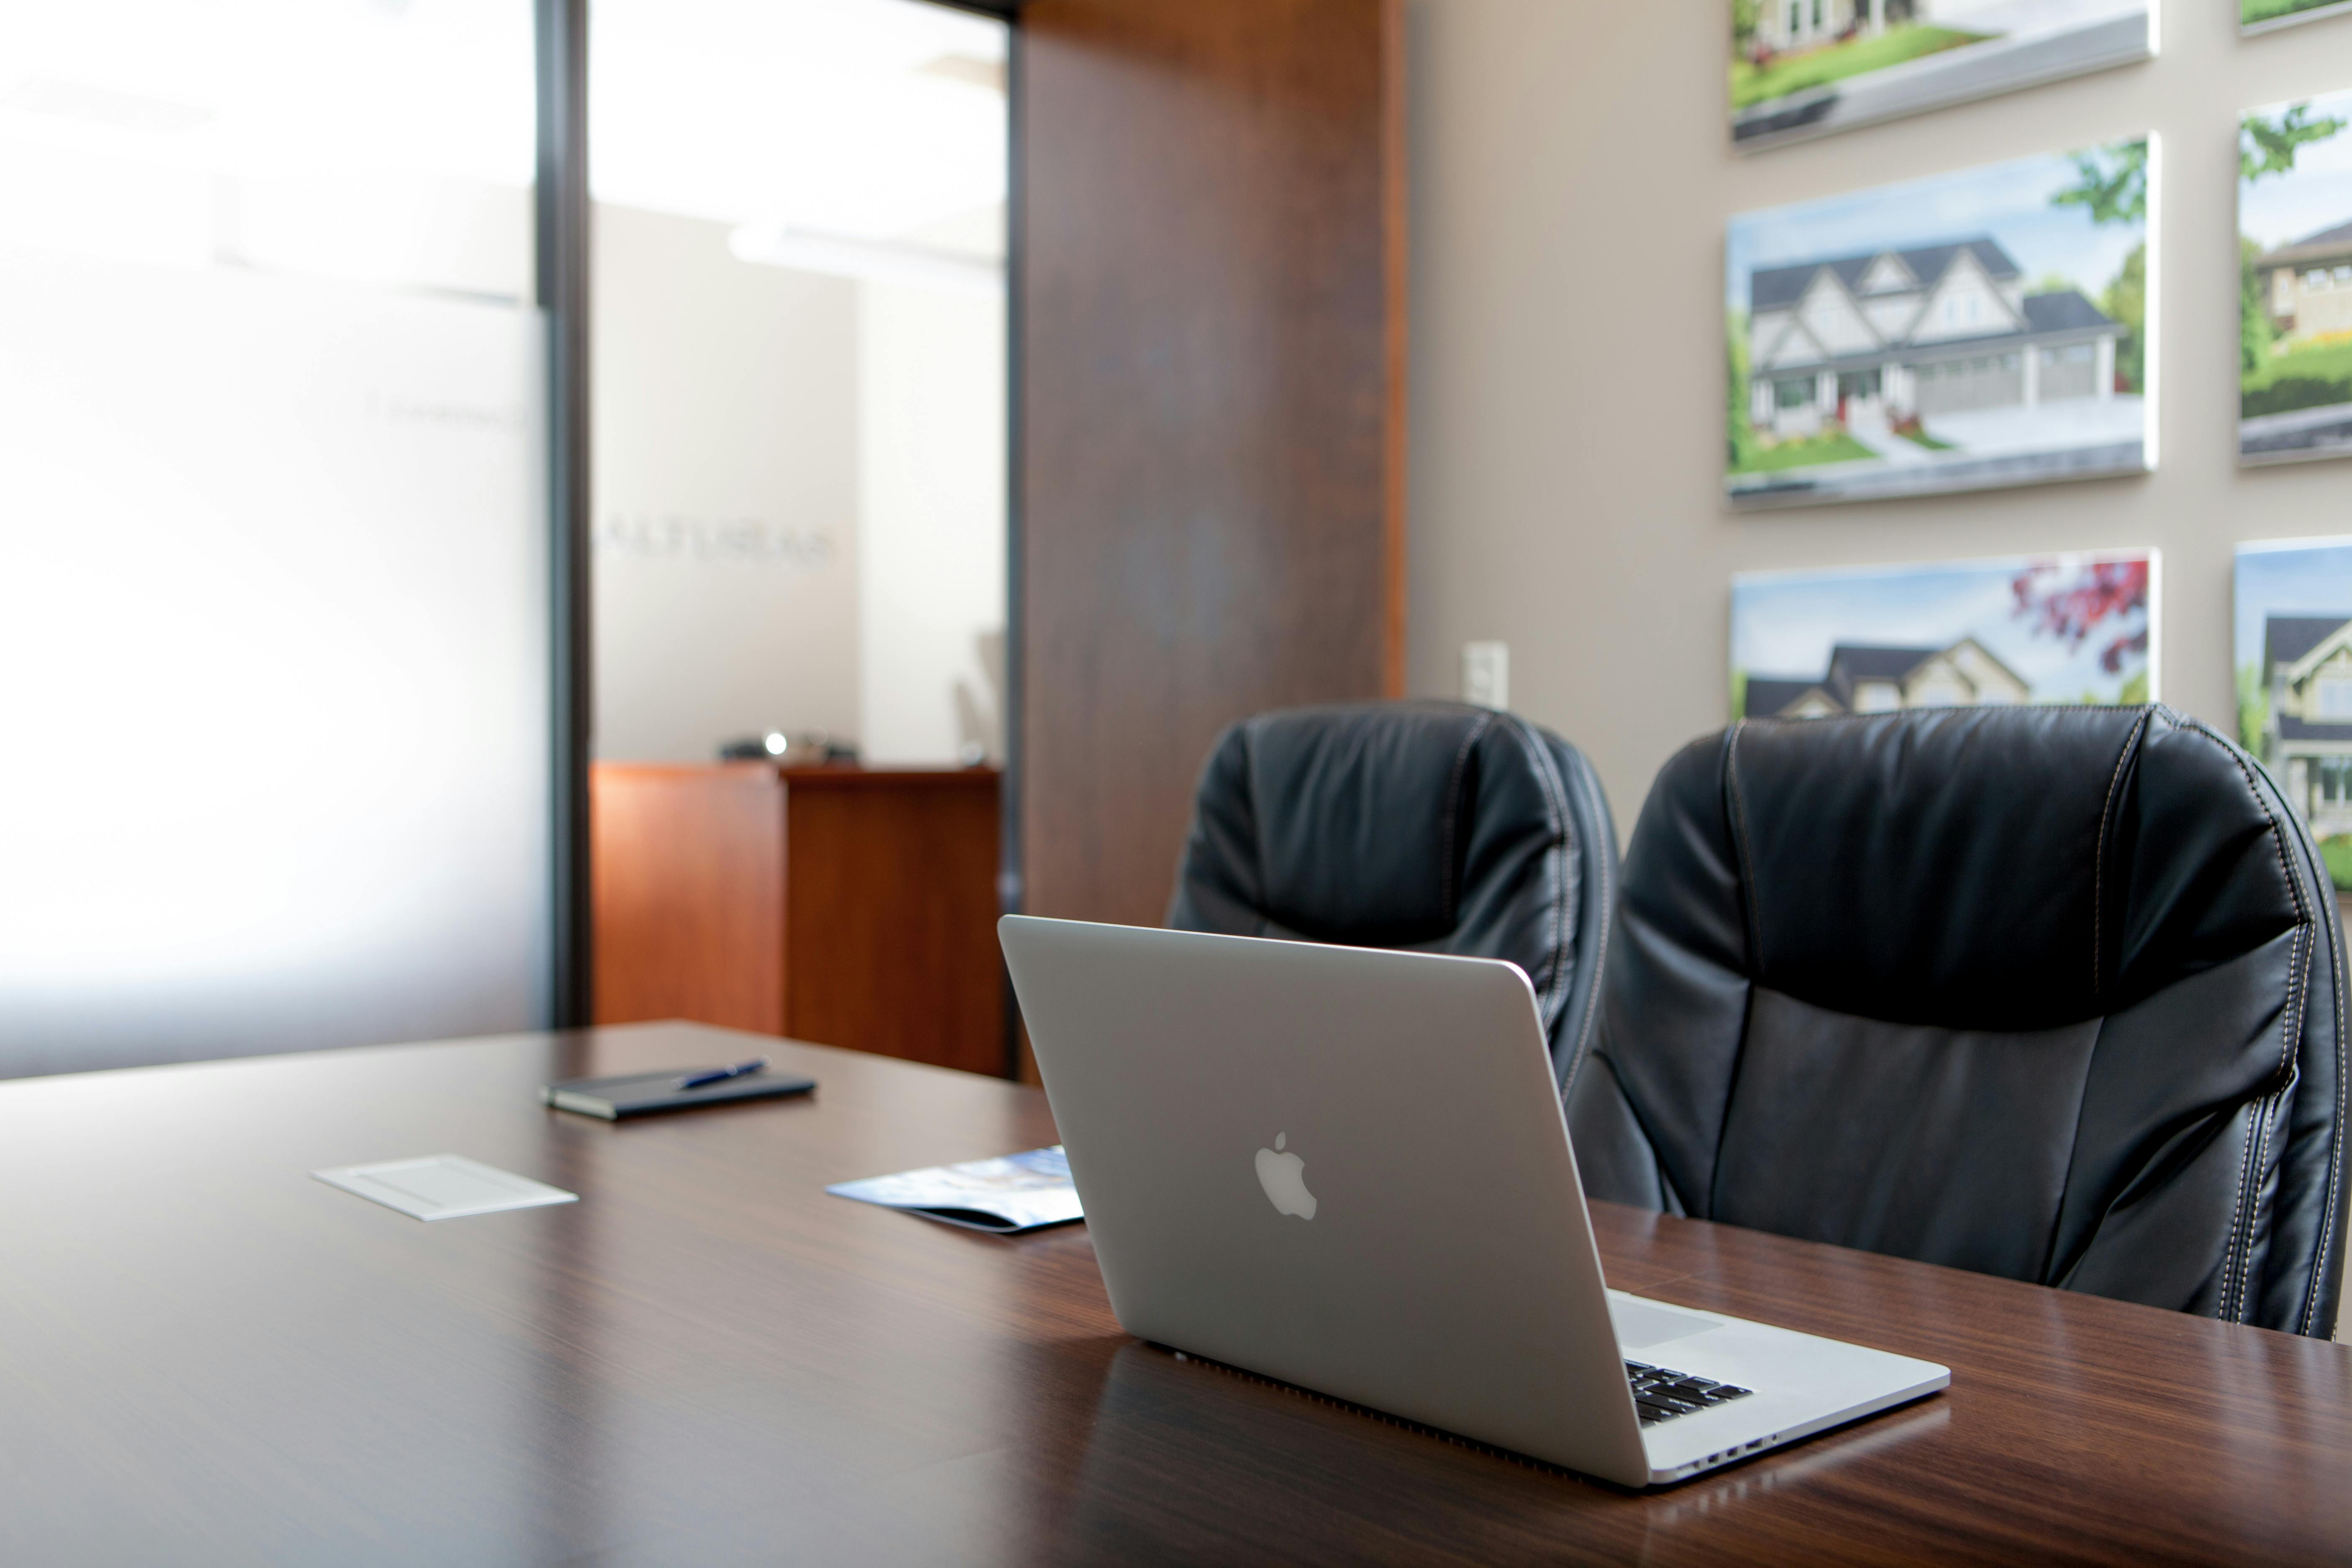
[
  {"x": 2295, "y": 281},
  {"x": 2294, "y": 648},
  {"x": 2264, "y": 15},
  {"x": 1807, "y": 67},
  {"x": 1979, "y": 329},
  {"x": 1947, "y": 633}
]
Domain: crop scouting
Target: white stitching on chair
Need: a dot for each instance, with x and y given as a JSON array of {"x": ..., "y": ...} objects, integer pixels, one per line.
[
  {"x": 2301, "y": 956},
  {"x": 2229, "y": 1256}
]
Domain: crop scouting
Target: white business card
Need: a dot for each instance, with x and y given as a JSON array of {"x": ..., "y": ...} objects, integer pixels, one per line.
[{"x": 443, "y": 1186}]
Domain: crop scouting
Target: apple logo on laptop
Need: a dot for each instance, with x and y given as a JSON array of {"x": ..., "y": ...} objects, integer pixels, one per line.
[{"x": 1279, "y": 1174}]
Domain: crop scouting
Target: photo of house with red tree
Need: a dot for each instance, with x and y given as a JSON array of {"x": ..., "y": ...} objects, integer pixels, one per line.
[{"x": 2058, "y": 628}]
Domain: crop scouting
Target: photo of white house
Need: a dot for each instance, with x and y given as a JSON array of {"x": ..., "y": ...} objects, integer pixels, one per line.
[
  {"x": 1916, "y": 361},
  {"x": 2294, "y": 649},
  {"x": 1806, "y": 68},
  {"x": 1892, "y": 337},
  {"x": 1955, "y": 634},
  {"x": 2294, "y": 287}
]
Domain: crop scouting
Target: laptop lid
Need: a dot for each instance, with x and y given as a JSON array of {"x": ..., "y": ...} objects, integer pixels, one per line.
[{"x": 1342, "y": 1168}]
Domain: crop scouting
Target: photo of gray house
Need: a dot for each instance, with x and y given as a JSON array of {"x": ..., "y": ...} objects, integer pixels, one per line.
[
  {"x": 2294, "y": 283},
  {"x": 1977, "y": 329},
  {"x": 1863, "y": 679},
  {"x": 2309, "y": 285},
  {"x": 2307, "y": 661},
  {"x": 1882, "y": 340},
  {"x": 2293, "y": 656}
]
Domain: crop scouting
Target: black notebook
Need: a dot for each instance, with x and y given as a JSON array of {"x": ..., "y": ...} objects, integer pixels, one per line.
[{"x": 643, "y": 1093}]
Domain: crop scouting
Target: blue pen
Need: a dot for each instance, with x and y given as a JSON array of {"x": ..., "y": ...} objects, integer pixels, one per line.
[{"x": 720, "y": 1075}]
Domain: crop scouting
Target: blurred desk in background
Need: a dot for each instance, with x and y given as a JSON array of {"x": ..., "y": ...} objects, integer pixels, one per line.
[{"x": 848, "y": 906}]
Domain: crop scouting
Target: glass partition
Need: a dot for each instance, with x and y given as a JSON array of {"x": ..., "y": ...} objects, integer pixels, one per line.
[
  {"x": 274, "y": 608},
  {"x": 800, "y": 394}
]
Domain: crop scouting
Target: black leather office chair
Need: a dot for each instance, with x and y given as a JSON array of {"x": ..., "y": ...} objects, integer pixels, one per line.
[
  {"x": 1431, "y": 825},
  {"x": 2050, "y": 993}
]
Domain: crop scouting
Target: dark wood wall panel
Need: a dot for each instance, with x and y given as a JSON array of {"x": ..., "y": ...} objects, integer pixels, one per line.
[{"x": 1210, "y": 341}]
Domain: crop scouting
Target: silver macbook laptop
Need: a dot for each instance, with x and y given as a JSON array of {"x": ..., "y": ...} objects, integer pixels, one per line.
[{"x": 1348, "y": 1170}]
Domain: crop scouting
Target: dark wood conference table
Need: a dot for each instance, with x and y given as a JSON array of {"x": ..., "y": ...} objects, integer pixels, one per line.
[{"x": 205, "y": 1356}]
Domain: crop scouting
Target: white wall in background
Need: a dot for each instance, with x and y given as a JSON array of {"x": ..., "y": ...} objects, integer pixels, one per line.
[
  {"x": 931, "y": 450},
  {"x": 799, "y": 500},
  {"x": 725, "y": 467}
]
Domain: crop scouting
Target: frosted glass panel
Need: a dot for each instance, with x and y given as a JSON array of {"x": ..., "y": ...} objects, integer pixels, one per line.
[{"x": 275, "y": 767}]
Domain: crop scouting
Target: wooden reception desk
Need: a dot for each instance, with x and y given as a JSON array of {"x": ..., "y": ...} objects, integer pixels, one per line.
[{"x": 847, "y": 906}]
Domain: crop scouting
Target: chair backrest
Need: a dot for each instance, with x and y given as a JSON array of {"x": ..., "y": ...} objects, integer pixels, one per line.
[
  {"x": 1431, "y": 825},
  {"x": 2050, "y": 993}
]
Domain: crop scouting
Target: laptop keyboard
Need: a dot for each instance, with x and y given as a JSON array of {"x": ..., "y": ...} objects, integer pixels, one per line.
[{"x": 1661, "y": 1394}]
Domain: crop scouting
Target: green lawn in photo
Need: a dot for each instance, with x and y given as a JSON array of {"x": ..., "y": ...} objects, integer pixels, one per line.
[
  {"x": 1832, "y": 446},
  {"x": 2313, "y": 377},
  {"x": 1858, "y": 57},
  {"x": 1919, "y": 437},
  {"x": 2337, "y": 853},
  {"x": 2253, "y": 11}
]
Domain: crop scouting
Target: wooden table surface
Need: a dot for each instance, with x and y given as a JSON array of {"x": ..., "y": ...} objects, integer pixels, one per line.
[{"x": 205, "y": 1356}]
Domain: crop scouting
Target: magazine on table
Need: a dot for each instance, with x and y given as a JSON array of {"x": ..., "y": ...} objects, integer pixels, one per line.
[{"x": 1008, "y": 1194}]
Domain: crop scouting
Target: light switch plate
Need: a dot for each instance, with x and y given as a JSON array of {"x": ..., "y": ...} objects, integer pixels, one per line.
[
  {"x": 443, "y": 1186},
  {"x": 1486, "y": 674}
]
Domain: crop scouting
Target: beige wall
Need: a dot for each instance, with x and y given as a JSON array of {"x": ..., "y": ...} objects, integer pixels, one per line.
[
  {"x": 932, "y": 403},
  {"x": 800, "y": 498},
  {"x": 1571, "y": 173},
  {"x": 726, "y": 422}
]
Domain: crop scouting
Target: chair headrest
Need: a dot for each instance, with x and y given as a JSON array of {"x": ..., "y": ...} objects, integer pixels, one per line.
[
  {"x": 1361, "y": 814},
  {"x": 1989, "y": 867}
]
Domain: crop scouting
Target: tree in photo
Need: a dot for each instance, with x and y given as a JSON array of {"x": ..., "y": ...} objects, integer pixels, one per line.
[
  {"x": 2107, "y": 598},
  {"x": 1736, "y": 366},
  {"x": 2111, "y": 185},
  {"x": 2268, "y": 147},
  {"x": 2126, "y": 301},
  {"x": 2255, "y": 335},
  {"x": 2273, "y": 378},
  {"x": 2110, "y": 182}
]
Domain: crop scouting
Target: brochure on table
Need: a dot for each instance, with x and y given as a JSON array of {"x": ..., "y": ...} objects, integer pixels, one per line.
[{"x": 1008, "y": 1194}]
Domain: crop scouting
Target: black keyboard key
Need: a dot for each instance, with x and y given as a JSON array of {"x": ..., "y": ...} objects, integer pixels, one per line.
[{"x": 1661, "y": 1394}]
